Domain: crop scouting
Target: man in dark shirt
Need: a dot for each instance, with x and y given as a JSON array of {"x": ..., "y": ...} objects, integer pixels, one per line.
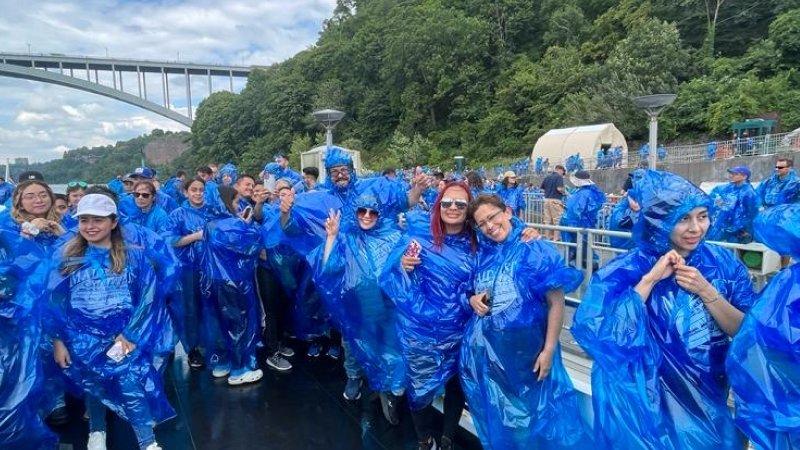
[{"x": 553, "y": 187}]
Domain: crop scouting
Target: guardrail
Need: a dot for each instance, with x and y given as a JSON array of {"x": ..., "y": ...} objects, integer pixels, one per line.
[{"x": 768, "y": 144}]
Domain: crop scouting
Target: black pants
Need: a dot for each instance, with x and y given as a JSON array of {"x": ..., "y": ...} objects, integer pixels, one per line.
[
  {"x": 274, "y": 303},
  {"x": 425, "y": 418}
]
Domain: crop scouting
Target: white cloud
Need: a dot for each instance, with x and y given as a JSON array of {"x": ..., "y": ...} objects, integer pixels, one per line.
[{"x": 38, "y": 120}]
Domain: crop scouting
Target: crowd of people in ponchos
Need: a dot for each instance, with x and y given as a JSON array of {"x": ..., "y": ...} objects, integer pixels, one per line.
[{"x": 430, "y": 288}]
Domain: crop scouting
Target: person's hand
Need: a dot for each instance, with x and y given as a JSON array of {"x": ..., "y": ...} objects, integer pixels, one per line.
[
  {"x": 665, "y": 266},
  {"x": 332, "y": 223},
  {"x": 61, "y": 354},
  {"x": 543, "y": 364},
  {"x": 197, "y": 236},
  {"x": 690, "y": 279},
  {"x": 421, "y": 181},
  {"x": 409, "y": 263},
  {"x": 41, "y": 224},
  {"x": 530, "y": 234},
  {"x": 55, "y": 228},
  {"x": 127, "y": 346},
  {"x": 477, "y": 302}
]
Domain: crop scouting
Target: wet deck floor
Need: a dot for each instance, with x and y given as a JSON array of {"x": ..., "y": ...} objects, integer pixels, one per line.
[{"x": 297, "y": 410}]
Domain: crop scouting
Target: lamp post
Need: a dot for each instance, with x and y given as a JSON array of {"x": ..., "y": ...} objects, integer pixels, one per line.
[
  {"x": 329, "y": 118},
  {"x": 653, "y": 105}
]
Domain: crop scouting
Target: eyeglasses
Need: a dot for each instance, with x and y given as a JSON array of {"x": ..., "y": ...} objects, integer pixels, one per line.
[
  {"x": 488, "y": 220},
  {"x": 781, "y": 167},
  {"x": 339, "y": 172},
  {"x": 34, "y": 196},
  {"x": 448, "y": 203},
  {"x": 143, "y": 195},
  {"x": 81, "y": 184},
  {"x": 361, "y": 212}
]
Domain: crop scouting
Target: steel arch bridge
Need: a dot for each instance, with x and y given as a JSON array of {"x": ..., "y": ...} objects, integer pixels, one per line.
[{"x": 81, "y": 72}]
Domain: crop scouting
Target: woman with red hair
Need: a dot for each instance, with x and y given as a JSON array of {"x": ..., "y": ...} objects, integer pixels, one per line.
[{"x": 427, "y": 275}]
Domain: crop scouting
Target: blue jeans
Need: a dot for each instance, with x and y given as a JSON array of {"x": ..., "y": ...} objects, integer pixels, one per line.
[{"x": 97, "y": 422}]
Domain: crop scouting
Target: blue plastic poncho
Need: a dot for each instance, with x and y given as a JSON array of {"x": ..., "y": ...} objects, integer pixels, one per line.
[
  {"x": 581, "y": 209},
  {"x": 509, "y": 407},
  {"x": 348, "y": 283},
  {"x": 732, "y": 213},
  {"x": 288, "y": 246},
  {"x": 391, "y": 195},
  {"x": 23, "y": 281},
  {"x": 230, "y": 171},
  {"x": 155, "y": 219},
  {"x": 764, "y": 360},
  {"x": 189, "y": 313},
  {"x": 432, "y": 308},
  {"x": 233, "y": 247},
  {"x": 92, "y": 305},
  {"x": 174, "y": 188},
  {"x": 777, "y": 191},
  {"x": 658, "y": 380},
  {"x": 6, "y": 190},
  {"x": 513, "y": 197},
  {"x": 117, "y": 186},
  {"x": 623, "y": 218}
]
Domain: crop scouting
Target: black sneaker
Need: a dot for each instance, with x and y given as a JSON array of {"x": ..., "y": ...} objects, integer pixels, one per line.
[
  {"x": 430, "y": 444},
  {"x": 446, "y": 443},
  {"x": 352, "y": 390},
  {"x": 196, "y": 359},
  {"x": 58, "y": 417},
  {"x": 390, "y": 408},
  {"x": 279, "y": 363}
]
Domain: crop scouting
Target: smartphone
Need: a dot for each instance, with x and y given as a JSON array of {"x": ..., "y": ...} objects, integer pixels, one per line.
[
  {"x": 116, "y": 353},
  {"x": 413, "y": 250},
  {"x": 247, "y": 212},
  {"x": 487, "y": 300}
]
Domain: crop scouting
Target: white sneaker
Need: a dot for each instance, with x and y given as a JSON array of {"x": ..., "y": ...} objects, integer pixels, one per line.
[
  {"x": 97, "y": 441},
  {"x": 154, "y": 446},
  {"x": 250, "y": 376},
  {"x": 221, "y": 371}
]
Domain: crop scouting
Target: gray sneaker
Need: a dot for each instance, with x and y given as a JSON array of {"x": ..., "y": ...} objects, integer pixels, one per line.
[{"x": 279, "y": 363}]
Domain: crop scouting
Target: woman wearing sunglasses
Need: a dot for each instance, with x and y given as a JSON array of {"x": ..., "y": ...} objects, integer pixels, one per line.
[
  {"x": 144, "y": 211},
  {"x": 518, "y": 391},
  {"x": 346, "y": 270},
  {"x": 427, "y": 276}
]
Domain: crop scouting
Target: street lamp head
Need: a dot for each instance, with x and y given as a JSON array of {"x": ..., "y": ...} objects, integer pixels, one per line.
[
  {"x": 654, "y": 102},
  {"x": 328, "y": 117}
]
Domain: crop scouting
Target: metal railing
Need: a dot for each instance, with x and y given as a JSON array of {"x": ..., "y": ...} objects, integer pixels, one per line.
[{"x": 768, "y": 144}]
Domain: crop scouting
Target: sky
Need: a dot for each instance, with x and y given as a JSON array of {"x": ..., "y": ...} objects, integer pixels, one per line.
[{"x": 40, "y": 120}]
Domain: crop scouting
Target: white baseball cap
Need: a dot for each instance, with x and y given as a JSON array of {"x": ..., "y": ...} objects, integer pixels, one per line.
[{"x": 96, "y": 205}]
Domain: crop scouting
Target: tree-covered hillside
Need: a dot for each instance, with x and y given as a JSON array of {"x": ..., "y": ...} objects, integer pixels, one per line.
[{"x": 423, "y": 80}]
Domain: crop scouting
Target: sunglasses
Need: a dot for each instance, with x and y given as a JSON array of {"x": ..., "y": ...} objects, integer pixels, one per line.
[
  {"x": 81, "y": 184},
  {"x": 781, "y": 167},
  {"x": 143, "y": 195},
  {"x": 361, "y": 212},
  {"x": 448, "y": 203}
]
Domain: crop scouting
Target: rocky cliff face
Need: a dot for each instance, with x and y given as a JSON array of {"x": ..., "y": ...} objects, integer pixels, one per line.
[{"x": 165, "y": 149}]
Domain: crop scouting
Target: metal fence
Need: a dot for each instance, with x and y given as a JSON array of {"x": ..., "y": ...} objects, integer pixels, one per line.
[{"x": 708, "y": 151}]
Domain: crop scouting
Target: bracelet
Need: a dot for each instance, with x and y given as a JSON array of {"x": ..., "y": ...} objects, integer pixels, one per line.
[{"x": 716, "y": 297}]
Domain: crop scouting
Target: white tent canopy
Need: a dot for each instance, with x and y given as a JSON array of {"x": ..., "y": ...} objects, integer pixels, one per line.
[{"x": 558, "y": 144}]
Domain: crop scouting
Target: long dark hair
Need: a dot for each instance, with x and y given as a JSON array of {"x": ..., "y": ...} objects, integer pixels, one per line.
[
  {"x": 437, "y": 226},
  {"x": 227, "y": 194}
]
